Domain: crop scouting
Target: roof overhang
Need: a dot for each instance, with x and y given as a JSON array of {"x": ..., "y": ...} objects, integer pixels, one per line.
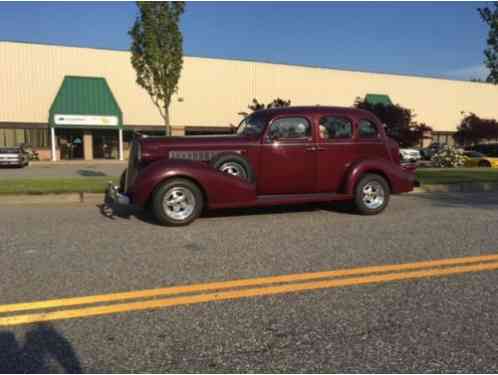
[{"x": 85, "y": 102}]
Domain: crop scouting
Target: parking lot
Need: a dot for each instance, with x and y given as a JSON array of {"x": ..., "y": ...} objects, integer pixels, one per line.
[
  {"x": 430, "y": 323},
  {"x": 65, "y": 169}
]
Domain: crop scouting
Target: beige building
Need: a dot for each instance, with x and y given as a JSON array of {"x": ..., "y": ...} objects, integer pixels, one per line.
[{"x": 88, "y": 100}]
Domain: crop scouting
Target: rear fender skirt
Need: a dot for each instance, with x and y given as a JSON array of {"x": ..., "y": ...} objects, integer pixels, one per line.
[
  {"x": 220, "y": 188},
  {"x": 399, "y": 179}
]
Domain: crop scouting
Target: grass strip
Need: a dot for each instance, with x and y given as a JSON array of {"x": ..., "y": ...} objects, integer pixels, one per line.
[
  {"x": 55, "y": 185},
  {"x": 435, "y": 176}
]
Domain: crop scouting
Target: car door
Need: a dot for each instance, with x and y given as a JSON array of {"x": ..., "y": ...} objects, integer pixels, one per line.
[
  {"x": 288, "y": 157},
  {"x": 336, "y": 151}
]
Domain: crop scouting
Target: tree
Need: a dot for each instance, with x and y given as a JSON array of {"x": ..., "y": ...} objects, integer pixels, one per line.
[
  {"x": 157, "y": 52},
  {"x": 490, "y": 16},
  {"x": 400, "y": 124},
  {"x": 257, "y": 106},
  {"x": 474, "y": 129}
]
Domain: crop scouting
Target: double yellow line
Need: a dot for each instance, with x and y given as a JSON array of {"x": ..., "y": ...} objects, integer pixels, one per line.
[{"x": 104, "y": 304}]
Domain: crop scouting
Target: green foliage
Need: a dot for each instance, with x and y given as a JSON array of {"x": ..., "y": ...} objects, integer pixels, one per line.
[
  {"x": 432, "y": 176},
  {"x": 157, "y": 51},
  {"x": 400, "y": 124},
  {"x": 449, "y": 157},
  {"x": 474, "y": 129},
  {"x": 257, "y": 106},
  {"x": 490, "y": 16}
]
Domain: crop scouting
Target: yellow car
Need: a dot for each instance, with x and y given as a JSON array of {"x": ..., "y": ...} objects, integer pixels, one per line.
[{"x": 476, "y": 159}]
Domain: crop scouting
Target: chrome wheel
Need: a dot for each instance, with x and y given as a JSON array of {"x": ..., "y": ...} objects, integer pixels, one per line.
[
  {"x": 373, "y": 195},
  {"x": 179, "y": 203},
  {"x": 235, "y": 169}
]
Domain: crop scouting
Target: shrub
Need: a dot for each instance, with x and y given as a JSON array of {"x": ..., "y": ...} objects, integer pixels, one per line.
[
  {"x": 400, "y": 123},
  {"x": 449, "y": 157},
  {"x": 474, "y": 129}
]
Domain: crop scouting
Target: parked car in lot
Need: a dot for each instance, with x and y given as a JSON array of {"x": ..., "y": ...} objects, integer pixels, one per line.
[
  {"x": 488, "y": 149},
  {"x": 410, "y": 155},
  {"x": 428, "y": 152},
  {"x": 476, "y": 159},
  {"x": 277, "y": 156},
  {"x": 13, "y": 156}
]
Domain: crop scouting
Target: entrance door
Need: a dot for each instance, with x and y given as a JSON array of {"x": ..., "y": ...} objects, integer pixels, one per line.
[
  {"x": 336, "y": 152},
  {"x": 287, "y": 158},
  {"x": 105, "y": 144},
  {"x": 70, "y": 143}
]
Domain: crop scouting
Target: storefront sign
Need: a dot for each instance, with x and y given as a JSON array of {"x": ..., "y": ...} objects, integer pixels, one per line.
[{"x": 85, "y": 120}]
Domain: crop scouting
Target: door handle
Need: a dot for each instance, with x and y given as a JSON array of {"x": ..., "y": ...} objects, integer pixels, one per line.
[
  {"x": 320, "y": 149},
  {"x": 312, "y": 148}
]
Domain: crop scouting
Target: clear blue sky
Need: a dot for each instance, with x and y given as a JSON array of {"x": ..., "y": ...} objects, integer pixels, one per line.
[{"x": 435, "y": 39}]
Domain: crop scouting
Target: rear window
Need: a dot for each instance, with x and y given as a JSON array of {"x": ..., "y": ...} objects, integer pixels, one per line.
[
  {"x": 367, "y": 129},
  {"x": 332, "y": 127}
]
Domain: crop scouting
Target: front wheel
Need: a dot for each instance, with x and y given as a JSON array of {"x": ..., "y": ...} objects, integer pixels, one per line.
[
  {"x": 371, "y": 194},
  {"x": 177, "y": 202},
  {"x": 484, "y": 164}
]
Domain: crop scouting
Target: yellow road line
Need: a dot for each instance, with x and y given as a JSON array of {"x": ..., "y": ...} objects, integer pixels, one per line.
[
  {"x": 168, "y": 291},
  {"x": 237, "y": 294}
]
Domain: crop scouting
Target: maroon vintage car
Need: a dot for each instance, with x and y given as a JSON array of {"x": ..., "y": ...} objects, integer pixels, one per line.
[{"x": 277, "y": 156}]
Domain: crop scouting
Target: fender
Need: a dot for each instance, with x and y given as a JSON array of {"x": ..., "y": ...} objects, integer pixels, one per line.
[
  {"x": 220, "y": 189},
  {"x": 399, "y": 179}
]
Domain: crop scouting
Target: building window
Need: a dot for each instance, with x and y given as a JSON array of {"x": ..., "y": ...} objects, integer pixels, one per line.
[{"x": 37, "y": 138}]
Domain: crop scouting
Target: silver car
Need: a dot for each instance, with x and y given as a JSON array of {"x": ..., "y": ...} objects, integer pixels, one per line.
[{"x": 13, "y": 156}]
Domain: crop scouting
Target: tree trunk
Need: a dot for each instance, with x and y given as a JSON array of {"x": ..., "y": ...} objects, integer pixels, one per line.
[{"x": 166, "y": 121}]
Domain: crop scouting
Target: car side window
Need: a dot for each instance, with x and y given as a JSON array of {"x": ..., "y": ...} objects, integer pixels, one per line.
[
  {"x": 367, "y": 129},
  {"x": 289, "y": 128},
  {"x": 332, "y": 127}
]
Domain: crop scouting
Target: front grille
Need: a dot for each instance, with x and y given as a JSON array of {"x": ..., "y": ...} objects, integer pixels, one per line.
[{"x": 132, "y": 170}]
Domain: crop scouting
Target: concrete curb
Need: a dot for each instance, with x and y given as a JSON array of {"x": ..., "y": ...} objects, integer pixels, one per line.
[{"x": 96, "y": 198}]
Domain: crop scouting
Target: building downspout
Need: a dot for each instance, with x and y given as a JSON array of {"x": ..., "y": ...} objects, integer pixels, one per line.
[
  {"x": 52, "y": 136},
  {"x": 120, "y": 144}
]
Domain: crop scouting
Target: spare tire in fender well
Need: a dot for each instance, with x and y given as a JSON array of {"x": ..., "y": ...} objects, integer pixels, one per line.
[{"x": 227, "y": 157}]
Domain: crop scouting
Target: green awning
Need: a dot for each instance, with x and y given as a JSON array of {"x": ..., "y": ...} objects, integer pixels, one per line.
[
  {"x": 375, "y": 99},
  {"x": 85, "y": 102}
]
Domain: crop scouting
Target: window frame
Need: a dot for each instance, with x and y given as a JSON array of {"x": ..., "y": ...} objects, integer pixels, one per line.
[
  {"x": 268, "y": 140},
  {"x": 336, "y": 140},
  {"x": 363, "y": 138}
]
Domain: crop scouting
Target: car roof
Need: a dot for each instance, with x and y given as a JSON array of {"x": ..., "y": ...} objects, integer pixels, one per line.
[{"x": 314, "y": 109}]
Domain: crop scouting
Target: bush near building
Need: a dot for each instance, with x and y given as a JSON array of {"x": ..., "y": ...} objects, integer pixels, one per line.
[
  {"x": 449, "y": 157},
  {"x": 474, "y": 129},
  {"x": 399, "y": 121}
]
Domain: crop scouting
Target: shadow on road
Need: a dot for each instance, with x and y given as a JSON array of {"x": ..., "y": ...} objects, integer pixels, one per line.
[
  {"x": 87, "y": 173},
  {"x": 125, "y": 212},
  {"x": 488, "y": 200},
  {"x": 44, "y": 350}
]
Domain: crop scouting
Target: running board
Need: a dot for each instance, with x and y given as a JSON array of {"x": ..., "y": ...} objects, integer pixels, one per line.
[{"x": 264, "y": 200}]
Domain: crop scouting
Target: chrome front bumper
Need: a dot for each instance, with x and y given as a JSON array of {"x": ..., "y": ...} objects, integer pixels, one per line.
[{"x": 113, "y": 196}]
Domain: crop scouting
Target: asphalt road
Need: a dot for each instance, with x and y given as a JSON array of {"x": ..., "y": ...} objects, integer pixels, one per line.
[
  {"x": 427, "y": 324},
  {"x": 65, "y": 169}
]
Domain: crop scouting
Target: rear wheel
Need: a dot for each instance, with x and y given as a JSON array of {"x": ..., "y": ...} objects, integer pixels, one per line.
[
  {"x": 371, "y": 194},
  {"x": 484, "y": 164},
  {"x": 177, "y": 202}
]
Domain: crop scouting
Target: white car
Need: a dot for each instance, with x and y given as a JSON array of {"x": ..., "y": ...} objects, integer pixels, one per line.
[
  {"x": 410, "y": 154},
  {"x": 13, "y": 156}
]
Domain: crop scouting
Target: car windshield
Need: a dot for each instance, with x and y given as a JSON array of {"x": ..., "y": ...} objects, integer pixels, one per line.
[{"x": 251, "y": 125}]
